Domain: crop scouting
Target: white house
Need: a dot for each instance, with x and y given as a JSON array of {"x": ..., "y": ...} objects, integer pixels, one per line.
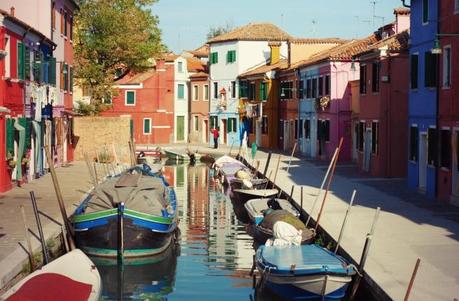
[{"x": 181, "y": 103}]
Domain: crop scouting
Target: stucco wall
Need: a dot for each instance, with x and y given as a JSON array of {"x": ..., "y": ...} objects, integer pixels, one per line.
[{"x": 94, "y": 134}]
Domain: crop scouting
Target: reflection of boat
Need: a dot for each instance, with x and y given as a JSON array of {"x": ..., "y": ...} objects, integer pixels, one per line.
[
  {"x": 70, "y": 277},
  {"x": 243, "y": 195},
  {"x": 257, "y": 207},
  {"x": 146, "y": 278},
  {"x": 138, "y": 202},
  {"x": 306, "y": 272},
  {"x": 182, "y": 155}
]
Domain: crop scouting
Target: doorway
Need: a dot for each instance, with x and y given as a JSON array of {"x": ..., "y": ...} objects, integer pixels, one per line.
[
  {"x": 205, "y": 134},
  {"x": 180, "y": 128},
  {"x": 224, "y": 131},
  {"x": 367, "y": 149},
  {"x": 423, "y": 161}
]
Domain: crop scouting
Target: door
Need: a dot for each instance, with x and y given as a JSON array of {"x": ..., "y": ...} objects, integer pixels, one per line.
[
  {"x": 180, "y": 128},
  {"x": 455, "y": 167},
  {"x": 367, "y": 150},
  {"x": 225, "y": 134},
  {"x": 205, "y": 134},
  {"x": 423, "y": 161},
  {"x": 258, "y": 132}
]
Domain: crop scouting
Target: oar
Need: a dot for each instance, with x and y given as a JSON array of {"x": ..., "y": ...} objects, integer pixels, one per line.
[
  {"x": 291, "y": 156},
  {"x": 345, "y": 221}
]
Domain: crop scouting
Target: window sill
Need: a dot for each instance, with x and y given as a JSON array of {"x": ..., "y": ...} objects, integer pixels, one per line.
[{"x": 129, "y": 105}]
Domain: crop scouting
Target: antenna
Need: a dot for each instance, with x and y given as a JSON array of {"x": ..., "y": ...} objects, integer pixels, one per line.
[
  {"x": 314, "y": 23},
  {"x": 374, "y": 10}
]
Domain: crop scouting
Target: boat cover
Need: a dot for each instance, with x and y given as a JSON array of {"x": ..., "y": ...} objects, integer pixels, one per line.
[
  {"x": 225, "y": 160},
  {"x": 257, "y": 193},
  {"x": 138, "y": 192},
  {"x": 257, "y": 207},
  {"x": 302, "y": 260},
  {"x": 285, "y": 235}
]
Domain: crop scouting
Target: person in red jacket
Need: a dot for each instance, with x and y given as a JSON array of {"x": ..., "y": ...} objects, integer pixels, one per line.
[{"x": 216, "y": 133}]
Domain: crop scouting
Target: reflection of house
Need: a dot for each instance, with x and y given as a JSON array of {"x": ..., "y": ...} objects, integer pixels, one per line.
[
  {"x": 198, "y": 204},
  {"x": 448, "y": 175},
  {"x": 232, "y": 54},
  {"x": 383, "y": 93}
]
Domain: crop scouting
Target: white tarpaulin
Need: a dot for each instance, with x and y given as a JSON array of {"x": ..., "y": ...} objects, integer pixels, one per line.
[{"x": 284, "y": 234}]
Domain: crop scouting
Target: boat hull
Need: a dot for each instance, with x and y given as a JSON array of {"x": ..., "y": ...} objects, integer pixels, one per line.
[
  {"x": 244, "y": 195},
  {"x": 257, "y": 183}
]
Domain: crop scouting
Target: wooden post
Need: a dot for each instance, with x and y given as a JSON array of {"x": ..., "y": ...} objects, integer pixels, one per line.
[
  {"x": 95, "y": 173},
  {"x": 39, "y": 227},
  {"x": 413, "y": 276},
  {"x": 291, "y": 156},
  {"x": 27, "y": 237},
  {"x": 277, "y": 168},
  {"x": 60, "y": 200},
  {"x": 291, "y": 192},
  {"x": 90, "y": 169},
  {"x": 321, "y": 187},
  {"x": 330, "y": 178},
  {"x": 269, "y": 177},
  {"x": 301, "y": 197},
  {"x": 121, "y": 232},
  {"x": 267, "y": 163},
  {"x": 341, "y": 233}
]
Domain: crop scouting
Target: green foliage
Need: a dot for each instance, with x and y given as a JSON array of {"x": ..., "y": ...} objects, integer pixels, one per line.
[
  {"x": 114, "y": 35},
  {"x": 91, "y": 109},
  {"x": 219, "y": 30}
]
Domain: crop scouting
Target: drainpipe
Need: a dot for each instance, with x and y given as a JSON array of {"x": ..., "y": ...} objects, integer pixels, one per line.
[
  {"x": 437, "y": 105},
  {"x": 405, "y": 5}
]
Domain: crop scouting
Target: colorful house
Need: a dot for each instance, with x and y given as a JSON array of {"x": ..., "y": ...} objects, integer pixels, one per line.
[
  {"x": 148, "y": 98},
  {"x": 325, "y": 111},
  {"x": 199, "y": 107},
  {"x": 232, "y": 54},
  {"x": 448, "y": 173},
  {"x": 384, "y": 82},
  {"x": 422, "y": 109},
  {"x": 181, "y": 101}
]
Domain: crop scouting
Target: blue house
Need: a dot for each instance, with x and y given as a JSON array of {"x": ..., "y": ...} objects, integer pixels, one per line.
[{"x": 422, "y": 119}]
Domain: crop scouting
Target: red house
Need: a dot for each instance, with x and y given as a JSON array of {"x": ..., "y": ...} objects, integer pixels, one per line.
[
  {"x": 148, "y": 98},
  {"x": 448, "y": 119},
  {"x": 384, "y": 84}
]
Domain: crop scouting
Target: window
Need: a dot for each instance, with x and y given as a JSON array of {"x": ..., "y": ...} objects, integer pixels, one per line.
[
  {"x": 414, "y": 71},
  {"x": 62, "y": 21},
  {"x": 181, "y": 91},
  {"x": 71, "y": 78},
  {"x": 147, "y": 126},
  {"x": 296, "y": 129},
  {"x": 323, "y": 130},
  {"x": 231, "y": 56},
  {"x": 327, "y": 84},
  {"x": 321, "y": 86},
  {"x": 430, "y": 70},
  {"x": 263, "y": 91},
  {"x": 206, "y": 92},
  {"x": 21, "y": 64},
  {"x": 65, "y": 23},
  {"x": 375, "y": 73},
  {"x": 214, "y": 58},
  {"x": 180, "y": 67},
  {"x": 308, "y": 88},
  {"x": 314, "y": 87},
  {"x": 243, "y": 89},
  {"x": 232, "y": 126},
  {"x": 251, "y": 91},
  {"x": 213, "y": 122},
  {"x": 456, "y": 9},
  {"x": 374, "y": 137},
  {"x": 363, "y": 79},
  {"x": 215, "y": 90},
  {"x": 66, "y": 77},
  {"x": 53, "y": 16},
  {"x": 27, "y": 63},
  {"x": 432, "y": 146},
  {"x": 300, "y": 89},
  {"x": 300, "y": 129},
  {"x": 307, "y": 128},
  {"x": 7, "y": 57},
  {"x": 445, "y": 145},
  {"x": 286, "y": 90},
  {"x": 414, "y": 141},
  {"x": 264, "y": 125},
  {"x": 52, "y": 71},
  {"x": 425, "y": 11},
  {"x": 71, "y": 27},
  {"x": 195, "y": 92},
  {"x": 361, "y": 133},
  {"x": 447, "y": 66},
  {"x": 130, "y": 98},
  {"x": 233, "y": 89},
  {"x": 196, "y": 123}
]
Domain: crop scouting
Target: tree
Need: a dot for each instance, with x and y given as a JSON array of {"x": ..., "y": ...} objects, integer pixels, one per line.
[
  {"x": 219, "y": 30},
  {"x": 113, "y": 38}
]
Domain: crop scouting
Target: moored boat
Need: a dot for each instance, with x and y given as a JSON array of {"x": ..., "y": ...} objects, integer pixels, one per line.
[
  {"x": 255, "y": 183},
  {"x": 182, "y": 155},
  {"x": 306, "y": 272},
  {"x": 72, "y": 277},
  {"x": 243, "y": 195},
  {"x": 257, "y": 208},
  {"x": 133, "y": 213}
]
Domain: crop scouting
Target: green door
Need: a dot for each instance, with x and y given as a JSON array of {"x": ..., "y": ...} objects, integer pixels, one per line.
[{"x": 180, "y": 128}]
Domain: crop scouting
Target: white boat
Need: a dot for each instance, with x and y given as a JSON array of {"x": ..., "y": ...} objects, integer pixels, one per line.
[
  {"x": 71, "y": 277},
  {"x": 256, "y": 208}
]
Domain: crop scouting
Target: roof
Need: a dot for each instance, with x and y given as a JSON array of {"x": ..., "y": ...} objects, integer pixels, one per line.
[
  {"x": 340, "y": 53},
  {"x": 202, "y": 51},
  {"x": 283, "y": 63},
  {"x": 26, "y": 26},
  {"x": 253, "y": 32},
  {"x": 195, "y": 65},
  {"x": 402, "y": 11},
  {"x": 135, "y": 79},
  {"x": 199, "y": 75},
  {"x": 395, "y": 42},
  {"x": 318, "y": 41}
]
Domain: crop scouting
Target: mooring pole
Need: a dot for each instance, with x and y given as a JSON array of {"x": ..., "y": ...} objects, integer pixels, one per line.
[
  {"x": 301, "y": 198},
  {"x": 341, "y": 233},
  {"x": 291, "y": 193},
  {"x": 27, "y": 237},
  {"x": 413, "y": 277},
  {"x": 40, "y": 229},
  {"x": 291, "y": 156},
  {"x": 267, "y": 163},
  {"x": 277, "y": 168},
  {"x": 121, "y": 232}
]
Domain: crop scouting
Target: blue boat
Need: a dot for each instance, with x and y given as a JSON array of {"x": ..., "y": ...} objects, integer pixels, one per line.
[
  {"x": 306, "y": 272},
  {"x": 134, "y": 212}
]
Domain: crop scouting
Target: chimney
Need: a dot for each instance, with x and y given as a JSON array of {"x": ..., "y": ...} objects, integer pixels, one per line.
[
  {"x": 275, "y": 52},
  {"x": 402, "y": 19},
  {"x": 12, "y": 11}
]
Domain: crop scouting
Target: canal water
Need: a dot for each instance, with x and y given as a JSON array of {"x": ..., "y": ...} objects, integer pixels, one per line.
[{"x": 212, "y": 260}]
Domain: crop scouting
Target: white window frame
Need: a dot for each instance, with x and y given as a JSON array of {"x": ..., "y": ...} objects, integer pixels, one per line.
[
  {"x": 206, "y": 90},
  {"x": 125, "y": 98},
  {"x": 195, "y": 92},
  {"x": 143, "y": 126},
  {"x": 444, "y": 73},
  {"x": 180, "y": 67},
  {"x": 178, "y": 95}
]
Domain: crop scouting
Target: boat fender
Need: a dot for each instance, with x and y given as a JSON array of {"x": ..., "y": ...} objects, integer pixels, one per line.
[{"x": 247, "y": 183}]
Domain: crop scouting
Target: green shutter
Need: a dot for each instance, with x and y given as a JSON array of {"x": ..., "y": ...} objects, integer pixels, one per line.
[
  {"x": 262, "y": 91},
  {"x": 52, "y": 71},
  {"x": 20, "y": 60},
  {"x": 23, "y": 122},
  {"x": 27, "y": 63},
  {"x": 234, "y": 55},
  {"x": 37, "y": 63},
  {"x": 71, "y": 79},
  {"x": 214, "y": 57},
  {"x": 146, "y": 126},
  {"x": 66, "y": 77},
  {"x": 10, "y": 136},
  {"x": 181, "y": 91},
  {"x": 130, "y": 99},
  {"x": 229, "y": 128}
]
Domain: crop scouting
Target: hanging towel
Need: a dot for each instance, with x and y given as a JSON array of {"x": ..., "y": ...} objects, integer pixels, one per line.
[{"x": 21, "y": 145}]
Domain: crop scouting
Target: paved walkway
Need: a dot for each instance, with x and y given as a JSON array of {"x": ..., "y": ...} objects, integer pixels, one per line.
[{"x": 409, "y": 227}]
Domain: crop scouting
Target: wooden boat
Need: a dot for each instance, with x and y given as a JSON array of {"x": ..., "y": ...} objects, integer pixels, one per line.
[
  {"x": 71, "y": 277},
  {"x": 243, "y": 195},
  {"x": 257, "y": 207},
  {"x": 182, "y": 155},
  {"x": 255, "y": 183},
  {"x": 134, "y": 213},
  {"x": 306, "y": 272}
]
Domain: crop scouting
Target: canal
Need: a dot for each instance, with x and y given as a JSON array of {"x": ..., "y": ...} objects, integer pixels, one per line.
[{"x": 212, "y": 260}]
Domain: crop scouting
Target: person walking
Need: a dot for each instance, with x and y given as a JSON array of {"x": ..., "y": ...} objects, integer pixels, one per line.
[{"x": 216, "y": 133}]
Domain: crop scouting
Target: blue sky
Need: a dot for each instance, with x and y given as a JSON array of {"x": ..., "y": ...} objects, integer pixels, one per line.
[{"x": 185, "y": 23}]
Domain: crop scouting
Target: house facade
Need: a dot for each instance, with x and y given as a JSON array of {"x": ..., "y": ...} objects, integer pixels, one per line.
[
  {"x": 148, "y": 99},
  {"x": 232, "y": 54},
  {"x": 199, "y": 108},
  {"x": 448, "y": 115},
  {"x": 181, "y": 101},
  {"x": 383, "y": 87},
  {"x": 422, "y": 106}
]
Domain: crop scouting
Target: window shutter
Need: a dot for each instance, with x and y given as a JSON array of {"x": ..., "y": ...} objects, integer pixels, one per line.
[
  {"x": 61, "y": 76},
  {"x": 229, "y": 128},
  {"x": 27, "y": 63},
  {"x": 414, "y": 71},
  {"x": 130, "y": 98},
  {"x": 52, "y": 71},
  {"x": 66, "y": 77},
  {"x": 146, "y": 126},
  {"x": 37, "y": 62},
  {"x": 234, "y": 55},
  {"x": 71, "y": 79},
  {"x": 20, "y": 59}
]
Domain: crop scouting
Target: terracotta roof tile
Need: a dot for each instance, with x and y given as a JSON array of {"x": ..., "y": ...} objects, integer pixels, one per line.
[
  {"x": 253, "y": 32},
  {"x": 195, "y": 65},
  {"x": 202, "y": 51},
  {"x": 200, "y": 75},
  {"x": 283, "y": 63},
  {"x": 395, "y": 42},
  {"x": 136, "y": 78},
  {"x": 319, "y": 41}
]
